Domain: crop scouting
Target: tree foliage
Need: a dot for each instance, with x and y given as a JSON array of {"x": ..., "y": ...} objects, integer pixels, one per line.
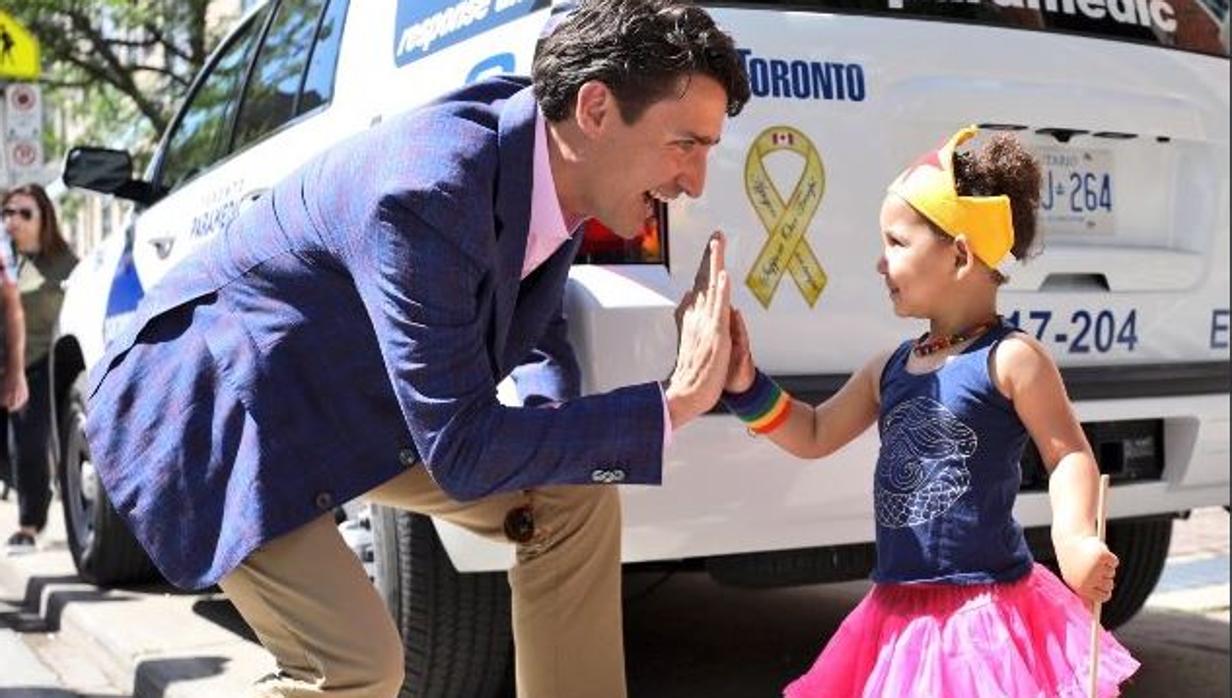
[{"x": 119, "y": 68}]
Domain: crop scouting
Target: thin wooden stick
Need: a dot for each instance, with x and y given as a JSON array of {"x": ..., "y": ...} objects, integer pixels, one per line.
[{"x": 1100, "y": 514}]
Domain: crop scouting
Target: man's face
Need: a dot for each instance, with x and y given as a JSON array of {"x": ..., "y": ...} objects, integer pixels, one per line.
[{"x": 659, "y": 156}]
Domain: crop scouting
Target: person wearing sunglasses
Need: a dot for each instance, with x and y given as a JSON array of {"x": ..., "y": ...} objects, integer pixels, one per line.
[{"x": 44, "y": 262}]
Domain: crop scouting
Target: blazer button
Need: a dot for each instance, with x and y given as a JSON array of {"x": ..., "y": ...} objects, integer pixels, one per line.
[
  {"x": 607, "y": 477},
  {"x": 324, "y": 500},
  {"x": 520, "y": 524},
  {"x": 408, "y": 457}
]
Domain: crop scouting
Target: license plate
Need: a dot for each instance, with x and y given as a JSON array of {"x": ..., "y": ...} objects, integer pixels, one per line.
[{"x": 1077, "y": 192}]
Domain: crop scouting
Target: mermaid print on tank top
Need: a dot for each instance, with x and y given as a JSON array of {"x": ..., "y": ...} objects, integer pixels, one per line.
[{"x": 922, "y": 469}]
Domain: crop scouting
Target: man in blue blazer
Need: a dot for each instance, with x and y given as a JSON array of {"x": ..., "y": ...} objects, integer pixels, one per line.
[{"x": 345, "y": 336}]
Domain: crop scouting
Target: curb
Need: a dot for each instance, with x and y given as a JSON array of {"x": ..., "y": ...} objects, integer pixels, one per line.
[{"x": 153, "y": 640}]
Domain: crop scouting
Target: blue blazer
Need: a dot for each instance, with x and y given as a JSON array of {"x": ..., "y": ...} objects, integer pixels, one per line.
[{"x": 352, "y": 323}]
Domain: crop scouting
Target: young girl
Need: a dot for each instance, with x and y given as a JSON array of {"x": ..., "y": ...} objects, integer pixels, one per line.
[{"x": 958, "y": 608}]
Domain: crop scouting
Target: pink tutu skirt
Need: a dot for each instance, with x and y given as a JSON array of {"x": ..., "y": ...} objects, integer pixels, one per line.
[{"x": 1025, "y": 639}]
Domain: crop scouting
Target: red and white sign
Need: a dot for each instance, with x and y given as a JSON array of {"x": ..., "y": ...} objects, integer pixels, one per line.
[
  {"x": 24, "y": 154},
  {"x": 23, "y": 98},
  {"x": 23, "y": 111}
]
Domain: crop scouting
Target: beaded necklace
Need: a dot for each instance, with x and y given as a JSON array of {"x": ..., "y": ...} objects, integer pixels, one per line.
[{"x": 926, "y": 345}]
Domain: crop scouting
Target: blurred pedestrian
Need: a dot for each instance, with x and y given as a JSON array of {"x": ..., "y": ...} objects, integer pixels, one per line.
[
  {"x": 44, "y": 261},
  {"x": 13, "y": 391}
]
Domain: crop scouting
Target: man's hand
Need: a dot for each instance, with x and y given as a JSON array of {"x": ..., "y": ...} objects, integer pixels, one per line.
[
  {"x": 13, "y": 390},
  {"x": 704, "y": 321},
  {"x": 701, "y": 281},
  {"x": 1088, "y": 567}
]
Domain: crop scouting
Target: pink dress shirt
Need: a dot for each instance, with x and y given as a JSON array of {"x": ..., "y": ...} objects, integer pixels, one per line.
[{"x": 548, "y": 230}]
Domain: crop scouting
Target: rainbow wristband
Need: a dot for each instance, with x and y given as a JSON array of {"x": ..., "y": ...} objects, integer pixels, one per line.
[{"x": 763, "y": 407}]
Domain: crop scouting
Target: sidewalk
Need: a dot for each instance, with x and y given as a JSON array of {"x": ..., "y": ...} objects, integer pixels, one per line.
[
  {"x": 170, "y": 653},
  {"x": 155, "y": 642},
  {"x": 1196, "y": 579}
]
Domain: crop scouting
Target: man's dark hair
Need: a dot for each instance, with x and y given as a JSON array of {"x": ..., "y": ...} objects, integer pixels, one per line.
[{"x": 643, "y": 50}]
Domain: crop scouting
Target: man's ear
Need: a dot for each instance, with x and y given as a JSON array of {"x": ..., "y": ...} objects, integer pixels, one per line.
[{"x": 594, "y": 106}]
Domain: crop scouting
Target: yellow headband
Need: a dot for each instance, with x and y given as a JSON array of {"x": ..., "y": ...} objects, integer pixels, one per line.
[{"x": 928, "y": 185}]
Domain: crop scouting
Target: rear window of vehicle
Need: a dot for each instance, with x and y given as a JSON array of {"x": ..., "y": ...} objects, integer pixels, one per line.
[{"x": 294, "y": 70}]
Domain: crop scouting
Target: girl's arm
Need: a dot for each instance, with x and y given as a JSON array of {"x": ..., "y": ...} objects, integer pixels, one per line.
[
  {"x": 1025, "y": 373},
  {"x": 813, "y": 432}
]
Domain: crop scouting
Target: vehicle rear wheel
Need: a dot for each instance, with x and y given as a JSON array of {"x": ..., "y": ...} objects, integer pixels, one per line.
[
  {"x": 1142, "y": 546},
  {"x": 455, "y": 627},
  {"x": 104, "y": 550}
]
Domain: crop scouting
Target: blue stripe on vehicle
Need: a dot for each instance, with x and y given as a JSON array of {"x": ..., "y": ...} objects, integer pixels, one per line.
[{"x": 126, "y": 290}]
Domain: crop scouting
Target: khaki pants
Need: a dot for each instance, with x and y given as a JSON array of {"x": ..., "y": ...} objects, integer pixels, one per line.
[{"x": 309, "y": 601}]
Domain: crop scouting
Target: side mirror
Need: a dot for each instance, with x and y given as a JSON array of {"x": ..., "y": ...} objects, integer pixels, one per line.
[{"x": 107, "y": 171}]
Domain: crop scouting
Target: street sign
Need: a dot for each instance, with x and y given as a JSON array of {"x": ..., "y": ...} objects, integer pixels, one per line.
[
  {"x": 23, "y": 110},
  {"x": 24, "y": 158},
  {"x": 19, "y": 51},
  {"x": 22, "y": 134},
  {"x": 23, "y": 99},
  {"x": 24, "y": 154}
]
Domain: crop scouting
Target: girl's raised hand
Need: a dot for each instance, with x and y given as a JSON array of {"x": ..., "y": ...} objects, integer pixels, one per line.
[
  {"x": 1088, "y": 567},
  {"x": 741, "y": 370}
]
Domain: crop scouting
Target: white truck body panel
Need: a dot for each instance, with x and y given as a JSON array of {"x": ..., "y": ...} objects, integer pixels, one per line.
[{"x": 1135, "y": 272}]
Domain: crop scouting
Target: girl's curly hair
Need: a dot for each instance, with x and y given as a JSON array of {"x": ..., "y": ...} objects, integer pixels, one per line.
[{"x": 1003, "y": 166}]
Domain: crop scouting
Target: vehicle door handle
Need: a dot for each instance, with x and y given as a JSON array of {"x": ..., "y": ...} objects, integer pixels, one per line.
[{"x": 162, "y": 246}]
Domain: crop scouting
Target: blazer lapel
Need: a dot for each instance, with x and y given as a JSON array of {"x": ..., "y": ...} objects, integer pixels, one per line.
[
  {"x": 516, "y": 141},
  {"x": 538, "y": 298}
]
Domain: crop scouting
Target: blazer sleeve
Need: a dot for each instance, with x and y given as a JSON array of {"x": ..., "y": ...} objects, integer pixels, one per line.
[{"x": 424, "y": 289}]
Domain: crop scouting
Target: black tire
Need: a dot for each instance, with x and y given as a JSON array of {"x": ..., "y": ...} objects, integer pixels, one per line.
[
  {"x": 455, "y": 627},
  {"x": 104, "y": 550},
  {"x": 1142, "y": 547}
]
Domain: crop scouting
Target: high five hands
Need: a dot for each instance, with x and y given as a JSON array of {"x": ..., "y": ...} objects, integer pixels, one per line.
[
  {"x": 713, "y": 354},
  {"x": 703, "y": 321}
]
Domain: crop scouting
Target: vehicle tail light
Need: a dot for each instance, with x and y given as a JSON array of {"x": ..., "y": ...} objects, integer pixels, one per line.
[{"x": 601, "y": 246}]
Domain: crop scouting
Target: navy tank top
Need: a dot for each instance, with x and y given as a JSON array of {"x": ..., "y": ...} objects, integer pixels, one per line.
[{"x": 948, "y": 472}]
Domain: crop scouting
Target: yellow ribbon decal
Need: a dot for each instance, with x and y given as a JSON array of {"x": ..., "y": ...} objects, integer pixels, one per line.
[{"x": 786, "y": 249}]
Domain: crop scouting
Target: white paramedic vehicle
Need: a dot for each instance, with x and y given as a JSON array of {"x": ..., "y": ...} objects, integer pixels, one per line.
[{"x": 1126, "y": 102}]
